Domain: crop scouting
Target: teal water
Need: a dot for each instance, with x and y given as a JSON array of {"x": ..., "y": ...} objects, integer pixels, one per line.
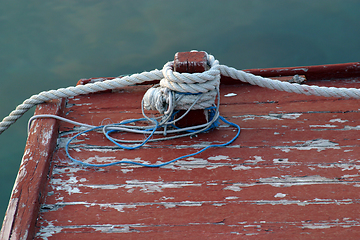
[{"x": 51, "y": 44}]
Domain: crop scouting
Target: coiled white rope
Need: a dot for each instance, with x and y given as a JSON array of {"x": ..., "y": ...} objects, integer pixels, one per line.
[
  {"x": 181, "y": 82},
  {"x": 184, "y": 88}
]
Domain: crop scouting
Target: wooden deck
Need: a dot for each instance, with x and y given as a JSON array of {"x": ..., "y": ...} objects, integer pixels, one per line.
[{"x": 292, "y": 174}]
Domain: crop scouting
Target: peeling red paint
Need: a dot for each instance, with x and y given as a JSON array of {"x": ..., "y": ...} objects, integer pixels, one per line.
[{"x": 292, "y": 173}]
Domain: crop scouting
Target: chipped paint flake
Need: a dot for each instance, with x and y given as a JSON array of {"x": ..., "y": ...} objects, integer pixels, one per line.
[
  {"x": 231, "y": 198},
  {"x": 230, "y": 95},
  {"x": 280, "y": 195},
  {"x": 318, "y": 144},
  {"x": 99, "y": 160},
  {"x": 291, "y": 115},
  {"x": 46, "y": 136},
  {"x": 48, "y": 231},
  {"x": 118, "y": 207},
  {"x": 150, "y": 186},
  {"x": 256, "y": 160},
  {"x": 65, "y": 185},
  {"x": 334, "y": 223},
  {"x": 338, "y": 120},
  {"x": 241, "y": 167},
  {"x": 343, "y": 166},
  {"x": 288, "y": 181},
  {"x": 270, "y": 116},
  {"x": 235, "y": 187},
  {"x": 112, "y": 228},
  {"x": 316, "y": 226},
  {"x": 190, "y": 204},
  {"x": 350, "y": 176},
  {"x": 194, "y": 163},
  {"x": 220, "y": 157},
  {"x": 102, "y": 160},
  {"x": 323, "y": 126},
  {"x": 352, "y": 128},
  {"x": 127, "y": 170}
]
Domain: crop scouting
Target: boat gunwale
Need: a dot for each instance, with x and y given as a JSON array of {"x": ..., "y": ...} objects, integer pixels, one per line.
[
  {"x": 20, "y": 218},
  {"x": 25, "y": 200}
]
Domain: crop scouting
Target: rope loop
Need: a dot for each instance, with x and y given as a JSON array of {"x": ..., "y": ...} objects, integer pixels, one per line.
[
  {"x": 192, "y": 82},
  {"x": 186, "y": 88}
]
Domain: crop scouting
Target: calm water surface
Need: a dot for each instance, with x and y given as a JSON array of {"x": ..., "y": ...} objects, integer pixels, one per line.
[{"x": 51, "y": 44}]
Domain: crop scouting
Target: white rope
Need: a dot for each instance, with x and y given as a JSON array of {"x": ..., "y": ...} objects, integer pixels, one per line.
[
  {"x": 206, "y": 82},
  {"x": 74, "y": 91},
  {"x": 289, "y": 87},
  {"x": 184, "y": 88},
  {"x": 192, "y": 82}
]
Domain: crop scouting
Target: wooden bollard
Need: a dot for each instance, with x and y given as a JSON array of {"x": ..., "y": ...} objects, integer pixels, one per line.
[{"x": 191, "y": 62}]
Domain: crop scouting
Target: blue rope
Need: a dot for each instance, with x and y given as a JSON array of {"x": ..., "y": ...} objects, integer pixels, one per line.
[
  {"x": 137, "y": 146},
  {"x": 211, "y": 116},
  {"x": 146, "y": 140}
]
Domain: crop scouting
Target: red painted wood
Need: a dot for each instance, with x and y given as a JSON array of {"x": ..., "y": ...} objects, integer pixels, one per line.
[
  {"x": 292, "y": 174},
  {"x": 84, "y": 81},
  {"x": 312, "y": 73},
  {"x": 330, "y": 71},
  {"x": 20, "y": 219},
  {"x": 191, "y": 62},
  {"x": 265, "y": 185}
]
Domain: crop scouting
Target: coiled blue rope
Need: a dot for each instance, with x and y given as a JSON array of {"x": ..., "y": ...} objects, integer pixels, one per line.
[{"x": 144, "y": 142}]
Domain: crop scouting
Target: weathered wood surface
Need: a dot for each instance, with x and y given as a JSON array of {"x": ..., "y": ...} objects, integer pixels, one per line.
[
  {"x": 20, "y": 219},
  {"x": 319, "y": 72},
  {"x": 293, "y": 173}
]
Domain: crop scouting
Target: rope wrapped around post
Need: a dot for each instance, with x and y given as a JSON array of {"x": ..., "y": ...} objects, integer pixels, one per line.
[
  {"x": 180, "y": 91},
  {"x": 183, "y": 83}
]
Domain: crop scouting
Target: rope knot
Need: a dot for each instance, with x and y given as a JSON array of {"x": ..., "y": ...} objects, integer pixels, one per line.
[{"x": 184, "y": 90}]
